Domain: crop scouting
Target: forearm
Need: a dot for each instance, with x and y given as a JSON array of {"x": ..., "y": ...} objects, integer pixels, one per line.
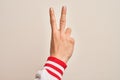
[{"x": 61, "y": 49}]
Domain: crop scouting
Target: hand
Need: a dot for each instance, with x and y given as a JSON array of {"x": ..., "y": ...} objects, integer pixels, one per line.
[{"x": 62, "y": 44}]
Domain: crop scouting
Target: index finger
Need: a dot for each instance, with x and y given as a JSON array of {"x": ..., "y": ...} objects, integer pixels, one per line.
[{"x": 52, "y": 20}]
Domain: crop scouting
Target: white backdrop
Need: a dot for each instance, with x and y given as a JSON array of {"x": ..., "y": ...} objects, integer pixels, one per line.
[{"x": 25, "y": 37}]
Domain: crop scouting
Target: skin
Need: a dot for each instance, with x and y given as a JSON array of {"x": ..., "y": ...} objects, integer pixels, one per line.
[{"x": 62, "y": 44}]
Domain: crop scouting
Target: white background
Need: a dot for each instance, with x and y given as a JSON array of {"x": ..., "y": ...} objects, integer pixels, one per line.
[{"x": 25, "y": 37}]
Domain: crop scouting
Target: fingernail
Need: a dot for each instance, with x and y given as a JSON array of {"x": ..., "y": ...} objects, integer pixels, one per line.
[
  {"x": 51, "y": 9},
  {"x": 64, "y": 7}
]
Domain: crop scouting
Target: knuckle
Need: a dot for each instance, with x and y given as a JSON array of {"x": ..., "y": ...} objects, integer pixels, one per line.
[
  {"x": 52, "y": 20},
  {"x": 56, "y": 36},
  {"x": 62, "y": 21},
  {"x": 69, "y": 29},
  {"x": 72, "y": 41},
  {"x": 62, "y": 37}
]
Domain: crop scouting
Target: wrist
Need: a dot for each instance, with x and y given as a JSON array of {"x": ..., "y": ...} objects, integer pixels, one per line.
[{"x": 64, "y": 59}]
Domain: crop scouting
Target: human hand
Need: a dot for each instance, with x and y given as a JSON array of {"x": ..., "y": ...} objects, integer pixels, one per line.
[{"x": 62, "y": 44}]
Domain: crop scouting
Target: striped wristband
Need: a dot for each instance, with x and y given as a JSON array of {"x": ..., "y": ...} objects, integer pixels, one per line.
[{"x": 55, "y": 67}]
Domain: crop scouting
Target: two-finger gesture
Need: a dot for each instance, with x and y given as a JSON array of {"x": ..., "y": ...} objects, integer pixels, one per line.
[{"x": 62, "y": 44}]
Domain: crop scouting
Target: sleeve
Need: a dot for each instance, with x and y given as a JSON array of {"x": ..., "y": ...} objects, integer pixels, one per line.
[{"x": 52, "y": 70}]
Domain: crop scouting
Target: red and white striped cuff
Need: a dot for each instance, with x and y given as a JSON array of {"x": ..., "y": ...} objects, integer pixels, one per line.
[{"x": 55, "y": 67}]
